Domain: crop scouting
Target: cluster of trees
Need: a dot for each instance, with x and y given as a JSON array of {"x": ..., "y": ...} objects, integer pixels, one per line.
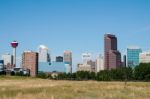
[
  {"x": 2, "y": 73},
  {"x": 140, "y": 73},
  {"x": 105, "y": 75}
]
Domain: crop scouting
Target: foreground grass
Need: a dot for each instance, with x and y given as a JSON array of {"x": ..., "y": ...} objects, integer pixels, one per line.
[{"x": 34, "y": 88}]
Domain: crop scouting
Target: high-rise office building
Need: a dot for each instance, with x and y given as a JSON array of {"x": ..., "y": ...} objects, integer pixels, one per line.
[
  {"x": 8, "y": 61},
  {"x": 44, "y": 55},
  {"x": 86, "y": 57},
  {"x": 133, "y": 56},
  {"x": 1, "y": 65},
  {"x": 124, "y": 61},
  {"x": 112, "y": 56},
  {"x": 59, "y": 59},
  {"x": 68, "y": 60},
  {"x": 30, "y": 62},
  {"x": 144, "y": 57},
  {"x": 99, "y": 63}
]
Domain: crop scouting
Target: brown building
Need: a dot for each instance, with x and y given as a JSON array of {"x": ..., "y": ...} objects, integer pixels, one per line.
[
  {"x": 92, "y": 64},
  {"x": 112, "y": 55},
  {"x": 84, "y": 67},
  {"x": 89, "y": 66},
  {"x": 30, "y": 62}
]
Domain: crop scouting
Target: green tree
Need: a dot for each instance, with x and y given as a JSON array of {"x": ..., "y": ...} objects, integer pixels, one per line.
[
  {"x": 103, "y": 75},
  {"x": 142, "y": 72}
]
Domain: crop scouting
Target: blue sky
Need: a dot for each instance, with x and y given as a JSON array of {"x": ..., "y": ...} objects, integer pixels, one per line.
[{"x": 77, "y": 25}]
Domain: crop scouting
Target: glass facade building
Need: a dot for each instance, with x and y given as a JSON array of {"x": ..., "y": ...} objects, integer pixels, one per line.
[
  {"x": 47, "y": 67},
  {"x": 1, "y": 65},
  {"x": 133, "y": 56}
]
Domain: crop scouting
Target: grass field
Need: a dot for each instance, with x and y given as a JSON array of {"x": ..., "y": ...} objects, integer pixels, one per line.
[{"x": 34, "y": 88}]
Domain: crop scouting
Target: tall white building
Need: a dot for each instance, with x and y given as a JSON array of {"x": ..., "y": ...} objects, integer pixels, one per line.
[
  {"x": 44, "y": 56},
  {"x": 8, "y": 59},
  {"x": 86, "y": 57},
  {"x": 99, "y": 63},
  {"x": 144, "y": 57}
]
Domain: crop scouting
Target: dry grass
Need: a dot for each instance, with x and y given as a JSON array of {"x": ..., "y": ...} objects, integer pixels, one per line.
[{"x": 33, "y": 88}]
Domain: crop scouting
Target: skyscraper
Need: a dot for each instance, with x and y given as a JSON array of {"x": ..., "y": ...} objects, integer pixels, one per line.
[
  {"x": 133, "y": 56},
  {"x": 86, "y": 57},
  {"x": 30, "y": 62},
  {"x": 1, "y": 65},
  {"x": 68, "y": 59},
  {"x": 99, "y": 63},
  {"x": 112, "y": 55},
  {"x": 44, "y": 55},
  {"x": 124, "y": 61}
]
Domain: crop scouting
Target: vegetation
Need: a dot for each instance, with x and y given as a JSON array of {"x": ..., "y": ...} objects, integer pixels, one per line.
[
  {"x": 140, "y": 73},
  {"x": 62, "y": 87}
]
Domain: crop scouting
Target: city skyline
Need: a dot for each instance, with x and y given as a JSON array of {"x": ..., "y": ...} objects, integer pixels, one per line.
[{"x": 78, "y": 25}]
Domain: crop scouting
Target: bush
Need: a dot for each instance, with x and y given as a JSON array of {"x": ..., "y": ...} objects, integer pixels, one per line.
[{"x": 42, "y": 75}]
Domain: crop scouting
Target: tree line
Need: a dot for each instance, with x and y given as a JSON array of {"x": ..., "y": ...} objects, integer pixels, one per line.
[{"x": 139, "y": 73}]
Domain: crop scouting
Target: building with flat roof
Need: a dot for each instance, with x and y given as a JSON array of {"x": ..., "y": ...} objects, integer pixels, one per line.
[
  {"x": 144, "y": 57},
  {"x": 112, "y": 57},
  {"x": 124, "y": 61},
  {"x": 30, "y": 62},
  {"x": 1, "y": 65},
  {"x": 59, "y": 59},
  {"x": 44, "y": 55},
  {"x": 99, "y": 63},
  {"x": 89, "y": 66},
  {"x": 133, "y": 56},
  {"x": 86, "y": 57},
  {"x": 68, "y": 60},
  {"x": 8, "y": 61},
  {"x": 84, "y": 67},
  {"x": 58, "y": 67}
]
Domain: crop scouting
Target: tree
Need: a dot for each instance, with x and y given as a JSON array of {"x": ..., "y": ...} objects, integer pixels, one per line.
[
  {"x": 82, "y": 75},
  {"x": 120, "y": 74},
  {"x": 142, "y": 72},
  {"x": 103, "y": 75}
]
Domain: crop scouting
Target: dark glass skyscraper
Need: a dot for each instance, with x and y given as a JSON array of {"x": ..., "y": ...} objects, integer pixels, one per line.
[
  {"x": 59, "y": 59},
  {"x": 112, "y": 55},
  {"x": 124, "y": 60}
]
